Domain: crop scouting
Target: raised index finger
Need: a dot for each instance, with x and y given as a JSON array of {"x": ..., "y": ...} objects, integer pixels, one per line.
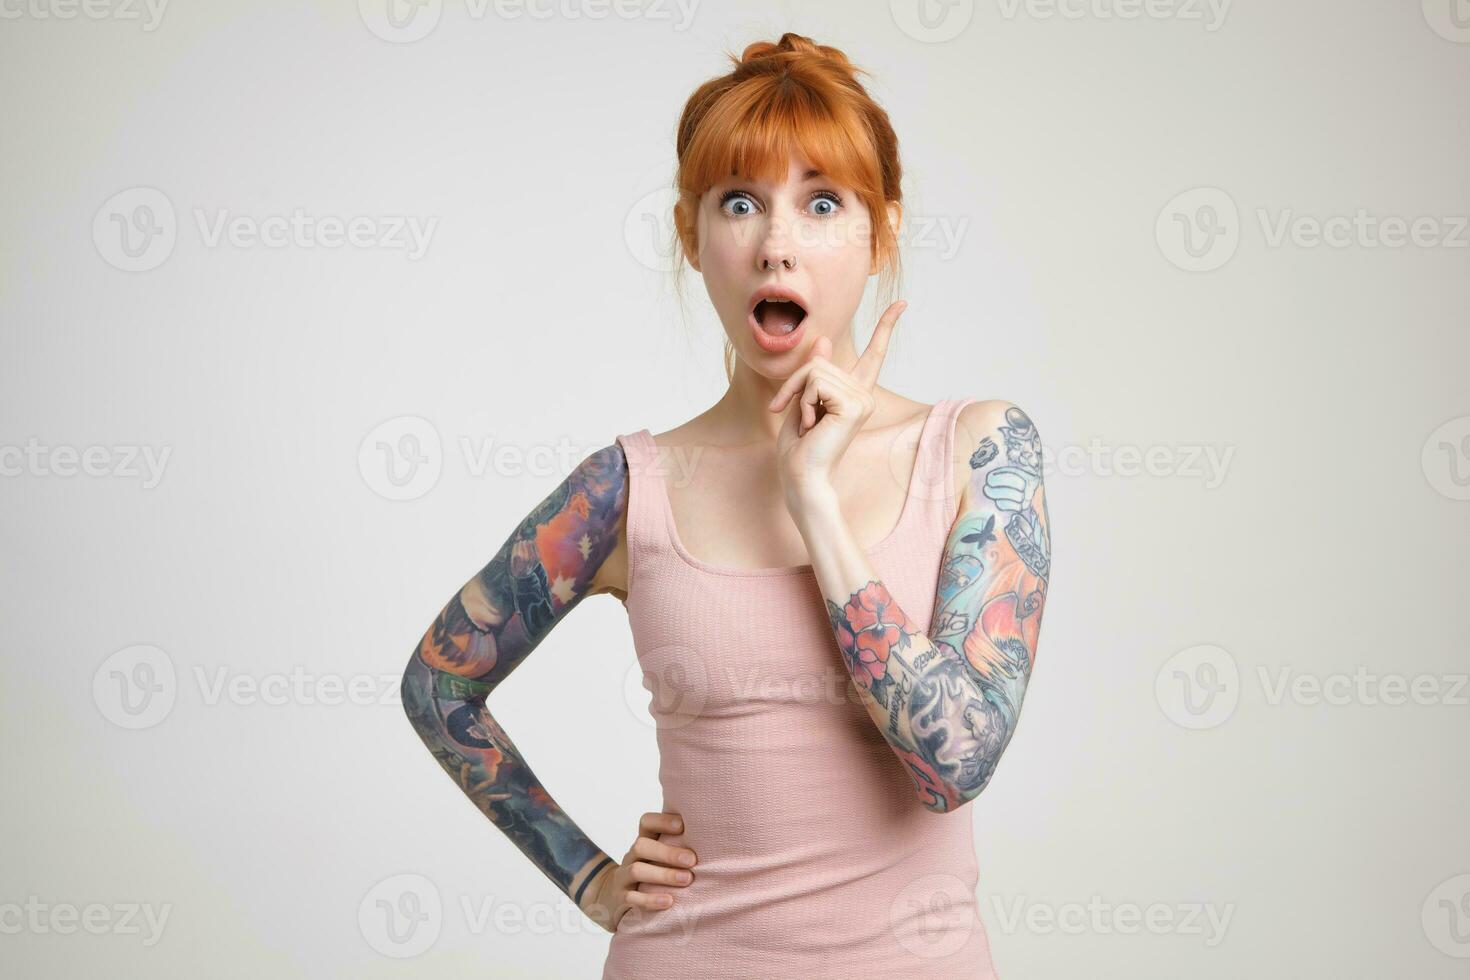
[{"x": 871, "y": 362}]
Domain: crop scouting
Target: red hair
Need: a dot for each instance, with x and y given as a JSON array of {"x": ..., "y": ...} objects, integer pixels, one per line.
[{"x": 793, "y": 96}]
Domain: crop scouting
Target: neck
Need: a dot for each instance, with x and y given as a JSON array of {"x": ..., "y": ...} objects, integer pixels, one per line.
[{"x": 745, "y": 407}]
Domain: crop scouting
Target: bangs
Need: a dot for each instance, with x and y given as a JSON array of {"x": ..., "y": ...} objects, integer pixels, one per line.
[{"x": 755, "y": 129}]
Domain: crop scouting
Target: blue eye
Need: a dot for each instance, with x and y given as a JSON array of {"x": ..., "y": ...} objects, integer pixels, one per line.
[
  {"x": 729, "y": 196},
  {"x": 817, "y": 199},
  {"x": 829, "y": 197}
]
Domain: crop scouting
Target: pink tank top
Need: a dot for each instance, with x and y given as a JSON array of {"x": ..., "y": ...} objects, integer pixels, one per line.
[{"x": 815, "y": 857}]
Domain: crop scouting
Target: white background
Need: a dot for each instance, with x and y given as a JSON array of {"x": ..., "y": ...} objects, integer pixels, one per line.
[{"x": 1054, "y": 147}]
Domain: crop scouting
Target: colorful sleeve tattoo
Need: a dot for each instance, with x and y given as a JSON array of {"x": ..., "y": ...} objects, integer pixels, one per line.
[
  {"x": 539, "y": 574},
  {"x": 947, "y": 701}
]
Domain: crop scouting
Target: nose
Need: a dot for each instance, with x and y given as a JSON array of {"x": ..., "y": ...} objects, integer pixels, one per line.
[{"x": 776, "y": 250}]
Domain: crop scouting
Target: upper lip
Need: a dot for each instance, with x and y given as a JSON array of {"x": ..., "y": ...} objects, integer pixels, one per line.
[{"x": 777, "y": 291}]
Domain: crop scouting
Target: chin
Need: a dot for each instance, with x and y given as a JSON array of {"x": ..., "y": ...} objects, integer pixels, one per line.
[{"x": 777, "y": 366}]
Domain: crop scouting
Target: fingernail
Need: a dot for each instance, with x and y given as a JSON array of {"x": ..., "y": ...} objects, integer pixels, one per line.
[
  {"x": 687, "y": 859},
  {"x": 684, "y": 877}
]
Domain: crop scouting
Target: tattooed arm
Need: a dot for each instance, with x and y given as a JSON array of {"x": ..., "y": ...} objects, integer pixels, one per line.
[
  {"x": 547, "y": 565},
  {"x": 947, "y": 701}
]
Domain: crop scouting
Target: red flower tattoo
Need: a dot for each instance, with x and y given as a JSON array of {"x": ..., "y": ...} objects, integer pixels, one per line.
[{"x": 871, "y": 626}]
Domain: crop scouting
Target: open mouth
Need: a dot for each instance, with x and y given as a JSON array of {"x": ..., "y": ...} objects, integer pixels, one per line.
[{"x": 778, "y": 318}]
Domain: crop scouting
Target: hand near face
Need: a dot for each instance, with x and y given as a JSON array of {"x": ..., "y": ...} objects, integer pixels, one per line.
[{"x": 831, "y": 409}]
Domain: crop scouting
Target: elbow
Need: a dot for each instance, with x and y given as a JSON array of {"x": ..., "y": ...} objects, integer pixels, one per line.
[
  {"x": 415, "y": 691},
  {"x": 946, "y": 800},
  {"x": 427, "y": 692},
  {"x": 949, "y": 794}
]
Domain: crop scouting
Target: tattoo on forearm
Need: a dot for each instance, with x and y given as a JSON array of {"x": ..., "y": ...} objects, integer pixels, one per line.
[
  {"x": 539, "y": 574},
  {"x": 948, "y": 701}
]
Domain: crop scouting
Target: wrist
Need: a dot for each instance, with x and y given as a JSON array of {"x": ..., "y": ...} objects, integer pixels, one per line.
[
  {"x": 813, "y": 496},
  {"x": 590, "y": 890},
  {"x": 813, "y": 505}
]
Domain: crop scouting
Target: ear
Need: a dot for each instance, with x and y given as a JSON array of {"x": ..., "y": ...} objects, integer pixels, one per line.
[
  {"x": 690, "y": 255},
  {"x": 895, "y": 217}
]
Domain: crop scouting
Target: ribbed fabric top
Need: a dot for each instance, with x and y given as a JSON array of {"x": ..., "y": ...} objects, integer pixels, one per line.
[{"x": 815, "y": 857}]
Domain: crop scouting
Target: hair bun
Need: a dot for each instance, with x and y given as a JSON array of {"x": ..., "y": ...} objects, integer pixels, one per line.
[{"x": 793, "y": 47}]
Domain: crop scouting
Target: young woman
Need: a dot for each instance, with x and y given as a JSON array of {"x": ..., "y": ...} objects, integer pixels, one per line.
[{"x": 836, "y": 604}]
